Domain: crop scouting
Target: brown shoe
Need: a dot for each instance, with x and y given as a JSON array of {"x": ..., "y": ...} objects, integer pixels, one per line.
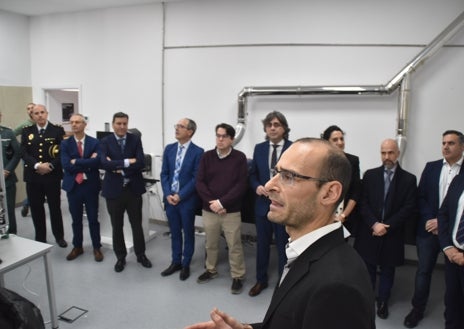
[
  {"x": 98, "y": 255},
  {"x": 75, "y": 252},
  {"x": 257, "y": 288}
]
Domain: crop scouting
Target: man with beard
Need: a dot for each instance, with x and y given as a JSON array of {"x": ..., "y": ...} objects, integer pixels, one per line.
[{"x": 388, "y": 200}]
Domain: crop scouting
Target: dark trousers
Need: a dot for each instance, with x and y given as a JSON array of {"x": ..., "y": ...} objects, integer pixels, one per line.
[
  {"x": 428, "y": 249},
  {"x": 386, "y": 279},
  {"x": 181, "y": 218},
  {"x": 36, "y": 193},
  {"x": 10, "y": 205},
  {"x": 454, "y": 295},
  {"x": 132, "y": 203},
  {"x": 79, "y": 196},
  {"x": 264, "y": 231}
]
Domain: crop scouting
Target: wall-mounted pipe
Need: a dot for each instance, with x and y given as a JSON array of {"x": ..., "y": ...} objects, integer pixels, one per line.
[{"x": 401, "y": 78}]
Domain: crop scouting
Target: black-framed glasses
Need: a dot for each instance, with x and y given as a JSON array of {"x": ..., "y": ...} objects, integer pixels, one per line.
[{"x": 288, "y": 177}]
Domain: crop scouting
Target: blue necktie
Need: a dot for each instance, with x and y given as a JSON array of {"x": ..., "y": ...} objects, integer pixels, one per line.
[
  {"x": 175, "y": 179},
  {"x": 460, "y": 232}
]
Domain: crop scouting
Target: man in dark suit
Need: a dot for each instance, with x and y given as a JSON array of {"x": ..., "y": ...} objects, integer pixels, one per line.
[
  {"x": 433, "y": 185},
  {"x": 265, "y": 157},
  {"x": 325, "y": 283},
  {"x": 178, "y": 174},
  {"x": 388, "y": 201},
  {"x": 11, "y": 155},
  {"x": 451, "y": 235},
  {"x": 81, "y": 181},
  {"x": 123, "y": 160},
  {"x": 40, "y": 147}
]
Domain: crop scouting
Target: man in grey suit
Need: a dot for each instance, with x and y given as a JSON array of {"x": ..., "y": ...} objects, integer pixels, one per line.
[{"x": 325, "y": 283}]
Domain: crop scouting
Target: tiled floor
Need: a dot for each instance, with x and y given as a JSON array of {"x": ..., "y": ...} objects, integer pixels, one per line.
[{"x": 140, "y": 298}]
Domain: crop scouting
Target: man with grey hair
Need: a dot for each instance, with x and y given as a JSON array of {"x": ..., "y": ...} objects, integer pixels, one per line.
[
  {"x": 388, "y": 200},
  {"x": 81, "y": 181},
  {"x": 40, "y": 147}
]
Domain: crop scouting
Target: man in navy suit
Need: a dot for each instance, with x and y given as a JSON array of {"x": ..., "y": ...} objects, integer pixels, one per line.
[
  {"x": 451, "y": 235},
  {"x": 265, "y": 157},
  {"x": 388, "y": 200},
  {"x": 433, "y": 185},
  {"x": 178, "y": 174},
  {"x": 81, "y": 181},
  {"x": 40, "y": 147},
  {"x": 123, "y": 160},
  {"x": 325, "y": 283}
]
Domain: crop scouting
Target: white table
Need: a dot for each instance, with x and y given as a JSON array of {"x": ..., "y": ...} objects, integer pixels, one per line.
[{"x": 16, "y": 251}]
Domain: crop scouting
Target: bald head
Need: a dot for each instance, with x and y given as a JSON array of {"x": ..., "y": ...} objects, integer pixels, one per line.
[{"x": 389, "y": 152}]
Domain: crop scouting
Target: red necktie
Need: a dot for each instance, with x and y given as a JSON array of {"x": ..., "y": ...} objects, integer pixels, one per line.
[{"x": 79, "y": 176}]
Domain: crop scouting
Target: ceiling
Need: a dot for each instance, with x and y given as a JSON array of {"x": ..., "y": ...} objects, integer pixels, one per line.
[{"x": 44, "y": 7}]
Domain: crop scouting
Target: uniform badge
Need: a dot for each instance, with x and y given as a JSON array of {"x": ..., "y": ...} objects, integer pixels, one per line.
[
  {"x": 53, "y": 151},
  {"x": 31, "y": 137}
]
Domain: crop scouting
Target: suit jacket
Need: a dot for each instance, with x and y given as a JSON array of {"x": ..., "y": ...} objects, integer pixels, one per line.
[
  {"x": 11, "y": 154},
  {"x": 260, "y": 174},
  {"x": 448, "y": 212},
  {"x": 187, "y": 174},
  {"x": 353, "y": 193},
  {"x": 36, "y": 149},
  {"x": 113, "y": 180},
  {"x": 327, "y": 287},
  {"x": 400, "y": 206},
  {"x": 87, "y": 165},
  {"x": 429, "y": 194}
]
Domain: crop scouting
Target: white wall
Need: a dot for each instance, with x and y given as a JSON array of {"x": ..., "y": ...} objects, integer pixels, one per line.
[
  {"x": 15, "y": 66},
  {"x": 114, "y": 55},
  {"x": 214, "y": 49}
]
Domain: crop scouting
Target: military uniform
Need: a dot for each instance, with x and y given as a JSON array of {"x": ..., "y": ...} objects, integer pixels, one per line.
[
  {"x": 11, "y": 156},
  {"x": 42, "y": 147}
]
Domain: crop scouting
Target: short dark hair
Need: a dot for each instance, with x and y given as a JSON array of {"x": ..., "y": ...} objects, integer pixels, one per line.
[
  {"x": 455, "y": 132},
  {"x": 191, "y": 126},
  {"x": 120, "y": 115},
  {"x": 230, "y": 131},
  {"x": 282, "y": 119},
  {"x": 328, "y": 132},
  {"x": 334, "y": 167}
]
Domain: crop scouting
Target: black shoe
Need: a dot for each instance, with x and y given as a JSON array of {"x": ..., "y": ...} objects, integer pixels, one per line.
[
  {"x": 207, "y": 276},
  {"x": 237, "y": 286},
  {"x": 25, "y": 211},
  {"x": 382, "y": 310},
  {"x": 120, "y": 264},
  {"x": 171, "y": 269},
  {"x": 184, "y": 273},
  {"x": 412, "y": 319},
  {"x": 142, "y": 259},
  {"x": 62, "y": 243}
]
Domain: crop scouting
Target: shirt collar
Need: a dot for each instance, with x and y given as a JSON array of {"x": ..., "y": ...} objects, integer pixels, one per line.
[
  {"x": 459, "y": 162},
  {"x": 297, "y": 247}
]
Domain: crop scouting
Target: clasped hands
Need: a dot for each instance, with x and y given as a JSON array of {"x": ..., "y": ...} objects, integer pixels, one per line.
[
  {"x": 216, "y": 207},
  {"x": 455, "y": 256},
  {"x": 379, "y": 229}
]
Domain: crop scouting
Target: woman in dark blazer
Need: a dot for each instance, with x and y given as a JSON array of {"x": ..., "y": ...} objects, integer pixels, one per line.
[{"x": 348, "y": 216}]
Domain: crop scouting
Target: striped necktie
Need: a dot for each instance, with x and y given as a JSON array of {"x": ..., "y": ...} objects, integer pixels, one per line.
[
  {"x": 175, "y": 179},
  {"x": 460, "y": 232},
  {"x": 79, "y": 176}
]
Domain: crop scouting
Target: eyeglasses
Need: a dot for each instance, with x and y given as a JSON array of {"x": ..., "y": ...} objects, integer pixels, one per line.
[
  {"x": 273, "y": 124},
  {"x": 288, "y": 177},
  {"x": 180, "y": 126},
  {"x": 219, "y": 136}
]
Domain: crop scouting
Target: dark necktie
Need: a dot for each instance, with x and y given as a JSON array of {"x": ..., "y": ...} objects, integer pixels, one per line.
[
  {"x": 41, "y": 131},
  {"x": 121, "y": 142},
  {"x": 274, "y": 156},
  {"x": 460, "y": 232},
  {"x": 79, "y": 176},
  {"x": 388, "y": 177}
]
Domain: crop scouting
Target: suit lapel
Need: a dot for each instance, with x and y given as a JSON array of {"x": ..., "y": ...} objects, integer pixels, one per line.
[{"x": 302, "y": 266}]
